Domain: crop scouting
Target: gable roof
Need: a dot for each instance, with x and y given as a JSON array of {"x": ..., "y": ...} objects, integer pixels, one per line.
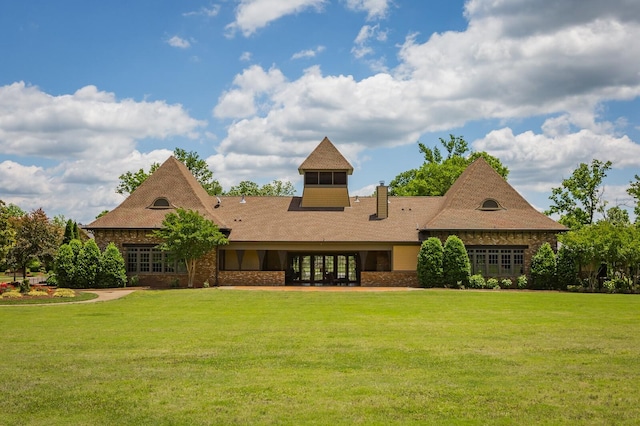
[
  {"x": 462, "y": 208},
  {"x": 172, "y": 181},
  {"x": 325, "y": 157}
]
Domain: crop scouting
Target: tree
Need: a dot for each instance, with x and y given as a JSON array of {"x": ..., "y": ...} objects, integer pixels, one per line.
[
  {"x": 69, "y": 232},
  {"x": 456, "y": 267},
  {"x": 7, "y": 232},
  {"x": 438, "y": 173},
  {"x": 566, "y": 267},
  {"x": 543, "y": 268},
  {"x": 634, "y": 191},
  {"x": 112, "y": 272},
  {"x": 430, "y": 258},
  {"x": 88, "y": 264},
  {"x": 36, "y": 238},
  {"x": 129, "y": 181},
  {"x": 580, "y": 196},
  {"x": 277, "y": 188},
  {"x": 64, "y": 267},
  {"x": 188, "y": 236}
]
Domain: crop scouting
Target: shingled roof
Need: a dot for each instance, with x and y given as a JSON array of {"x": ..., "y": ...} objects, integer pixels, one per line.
[
  {"x": 325, "y": 157},
  {"x": 463, "y": 205},
  {"x": 173, "y": 182}
]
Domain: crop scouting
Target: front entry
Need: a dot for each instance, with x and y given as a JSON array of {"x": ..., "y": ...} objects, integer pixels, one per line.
[{"x": 323, "y": 269}]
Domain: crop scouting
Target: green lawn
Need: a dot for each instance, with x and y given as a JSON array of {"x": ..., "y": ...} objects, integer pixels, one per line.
[{"x": 209, "y": 356}]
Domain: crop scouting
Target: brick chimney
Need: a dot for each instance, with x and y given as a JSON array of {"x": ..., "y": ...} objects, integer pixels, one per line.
[{"x": 382, "y": 204}]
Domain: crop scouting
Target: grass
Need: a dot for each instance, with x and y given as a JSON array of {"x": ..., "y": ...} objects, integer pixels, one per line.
[{"x": 239, "y": 357}]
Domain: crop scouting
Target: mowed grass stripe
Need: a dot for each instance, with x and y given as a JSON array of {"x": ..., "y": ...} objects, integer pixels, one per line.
[{"x": 237, "y": 357}]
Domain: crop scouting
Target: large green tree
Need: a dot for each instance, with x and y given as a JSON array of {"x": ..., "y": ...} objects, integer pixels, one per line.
[
  {"x": 7, "y": 232},
  {"x": 187, "y": 236},
  {"x": 634, "y": 191},
  {"x": 439, "y": 172},
  {"x": 581, "y": 195},
  {"x": 36, "y": 238},
  {"x": 129, "y": 181}
]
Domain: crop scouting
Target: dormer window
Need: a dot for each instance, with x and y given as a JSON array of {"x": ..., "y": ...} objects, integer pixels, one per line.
[
  {"x": 325, "y": 178},
  {"x": 490, "y": 204},
  {"x": 160, "y": 203}
]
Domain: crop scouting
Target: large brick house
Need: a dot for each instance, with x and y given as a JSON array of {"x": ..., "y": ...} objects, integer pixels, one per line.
[{"x": 326, "y": 237}]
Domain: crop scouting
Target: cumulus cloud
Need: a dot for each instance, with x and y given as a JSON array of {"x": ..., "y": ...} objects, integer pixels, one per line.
[
  {"x": 251, "y": 15},
  {"x": 309, "y": 53},
  {"x": 375, "y": 9},
  {"x": 504, "y": 66},
  {"x": 89, "y": 123},
  {"x": 367, "y": 33},
  {"x": 179, "y": 42}
]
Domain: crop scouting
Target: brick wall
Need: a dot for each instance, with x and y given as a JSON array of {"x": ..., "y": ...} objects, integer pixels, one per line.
[
  {"x": 240, "y": 278},
  {"x": 389, "y": 279}
]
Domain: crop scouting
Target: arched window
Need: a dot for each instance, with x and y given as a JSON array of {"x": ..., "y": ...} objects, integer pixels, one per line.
[
  {"x": 161, "y": 203},
  {"x": 490, "y": 204}
]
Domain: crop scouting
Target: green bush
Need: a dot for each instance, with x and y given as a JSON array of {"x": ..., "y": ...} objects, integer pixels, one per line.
[
  {"x": 575, "y": 288},
  {"x": 430, "y": 263},
  {"x": 112, "y": 272},
  {"x": 522, "y": 282},
  {"x": 25, "y": 286},
  {"x": 64, "y": 267},
  {"x": 88, "y": 263},
  {"x": 456, "y": 268},
  {"x": 567, "y": 270},
  {"x": 493, "y": 283},
  {"x": 506, "y": 283},
  {"x": 477, "y": 281},
  {"x": 543, "y": 268}
]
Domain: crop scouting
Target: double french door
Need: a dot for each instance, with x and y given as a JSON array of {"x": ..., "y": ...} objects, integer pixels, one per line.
[{"x": 323, "y": 269}]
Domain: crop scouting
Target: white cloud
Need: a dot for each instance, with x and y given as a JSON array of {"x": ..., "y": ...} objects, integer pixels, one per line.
[
  {"x": 179, "y": 42},
  {"x": 488, "y": 71},
  {"x": 309, "y": 53},
  {"x": 376, "y": 9},
  {"x": 251, "y": 15},
  {"x": 245, "y": 56},
  {"x": 208, "y": 12}
]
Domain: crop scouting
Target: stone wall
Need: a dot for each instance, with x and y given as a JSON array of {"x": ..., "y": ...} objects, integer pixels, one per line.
[
  {"x": 241, "y": 278},
  {"x": 205, "y": 267},
  {"x": 529, "y": 240},
  {"x": 389, "y": 279}
]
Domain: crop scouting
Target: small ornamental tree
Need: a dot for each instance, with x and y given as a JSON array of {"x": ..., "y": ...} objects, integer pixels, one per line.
[
  {"x": 567, "y": 270},
  {"x": 112, "y": 272},
  {"x": 430, "y": 263},
  {"x": 456, "y": 268},
  {"x": 64, "y": 267},
  {"x": 88, "y": 263},
  {"x": 188, "y": 236},
  {"x": 543, "y": 268}
]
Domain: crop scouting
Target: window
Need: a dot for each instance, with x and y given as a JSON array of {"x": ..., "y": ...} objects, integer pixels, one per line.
[
  {"x": 150, "y": 260},
  {"x": 161, "y": 203},
  {"x": 490, "y": 204},
  {"x": 325, "y": 178},
  {"x": 496, "y": 262}
]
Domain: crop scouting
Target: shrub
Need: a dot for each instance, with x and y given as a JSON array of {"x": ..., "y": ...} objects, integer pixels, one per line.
[
  {"x": 11, "y": 294},
  {"x": 567, "y": 270},
  {"x": 112, "y": 272},
  {"x": 88, "y": 263},
  {"x": 522, "y": 282},
  {"x": 205, "y": 284},
  {"x": 456, "y": 268},
  {"x": 506, "y": 283},
  {"x": 609, "y": 286},
  {"x": 25, "y": 286},
  {"x": 134, "y": 281},
  {"x": 52, "y": 280},
  {"x": 543, "y": 268},
  {"x": 493, "y": 283},
  {"x": 575, "y": 288},
  {"x": 64, "y": 267},
  {"x": 476, "y": 281},
  {"x": 64, "y": 292},
  {"x": 38, "y": 293},
  {"x": 430, "y": 263}
]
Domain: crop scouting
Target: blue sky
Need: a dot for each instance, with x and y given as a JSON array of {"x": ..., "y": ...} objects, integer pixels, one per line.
[{"x": 89, "y": 90}]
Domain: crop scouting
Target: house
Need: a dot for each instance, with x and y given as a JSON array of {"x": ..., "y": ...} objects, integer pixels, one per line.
[{"x": 326, "y": 236}]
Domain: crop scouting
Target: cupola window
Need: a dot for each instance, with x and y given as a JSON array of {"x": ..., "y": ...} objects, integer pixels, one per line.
[{"x": 490, "y": 204}]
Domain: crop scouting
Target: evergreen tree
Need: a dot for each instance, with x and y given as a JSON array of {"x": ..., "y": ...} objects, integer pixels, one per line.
[
  {"x": 112, "y": 272},
  {"x": 430, "y": 263},
  {"x": 543, "y": 268},
  {"x": 567, "y": 269},
  {"x": 65, "y": 267},
  {"x": 69, "y": 233},
  {"x": 456, "y": 267},
  {"x": 87, "y": 264}
]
